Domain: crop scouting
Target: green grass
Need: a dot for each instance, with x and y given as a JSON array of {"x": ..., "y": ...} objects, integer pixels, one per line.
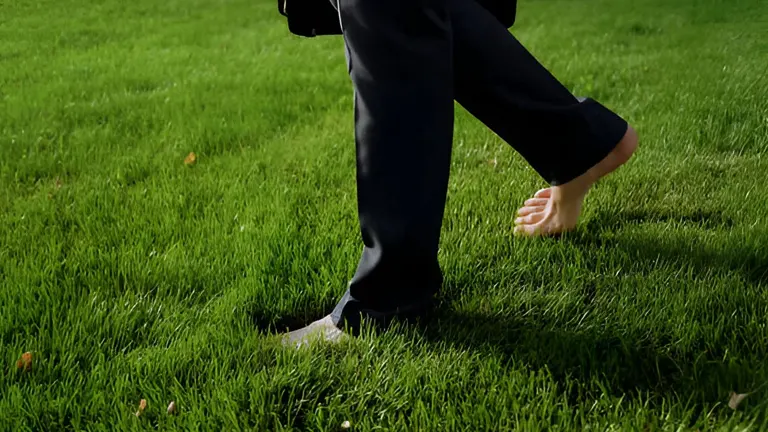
[{"x": 130, "y": 275}]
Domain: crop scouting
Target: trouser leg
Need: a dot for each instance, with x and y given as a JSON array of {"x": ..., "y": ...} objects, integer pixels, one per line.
[
  {"x": 399, "y": 55},
  {"x": 498, "y": 81},
  {"x": 406, "y": 65}
]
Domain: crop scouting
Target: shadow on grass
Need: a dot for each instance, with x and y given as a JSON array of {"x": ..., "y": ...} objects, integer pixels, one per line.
[
  {"x": 602, "y": 361},
  {"x": 742, "y": 260},
  {"x": 706, "y": 219},
  {"x": 596, "y": 362}
]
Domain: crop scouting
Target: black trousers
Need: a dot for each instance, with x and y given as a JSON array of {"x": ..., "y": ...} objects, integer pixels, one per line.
[{"x": 408, "y": 61}]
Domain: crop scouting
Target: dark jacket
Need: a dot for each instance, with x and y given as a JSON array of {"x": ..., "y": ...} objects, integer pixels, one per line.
[{"x": 310, "y": 18}]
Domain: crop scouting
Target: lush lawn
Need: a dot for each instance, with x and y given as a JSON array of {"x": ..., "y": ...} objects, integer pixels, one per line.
[{"x": 130, "y": 275}]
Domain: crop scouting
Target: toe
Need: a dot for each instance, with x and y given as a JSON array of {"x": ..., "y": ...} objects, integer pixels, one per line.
[
  {"x": 543, "y": 193},
  {"x": 536, "y": 202},
  {"x": 525, "y": 211},
  {"x": 527, "y": 230},
  {"x": 530, "y": 219}
]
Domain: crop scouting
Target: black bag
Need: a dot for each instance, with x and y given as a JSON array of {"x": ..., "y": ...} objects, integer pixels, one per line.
[{"x": 310, "y": 18}]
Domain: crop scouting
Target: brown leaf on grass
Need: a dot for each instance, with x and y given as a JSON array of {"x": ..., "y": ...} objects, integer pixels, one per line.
[
  {"x": 736, "y": 399},
  {"x": 142, "y": 407},
  {"x": 172, "y": 408},
  {"x": 57, "y": 184},
  {"x": 25, "y": 362},
  {"x": 190, "y": 159}
]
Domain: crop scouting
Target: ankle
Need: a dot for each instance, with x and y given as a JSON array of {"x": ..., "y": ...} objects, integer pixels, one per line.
[
  {"x": 579, "y": 186},
  {"x": 627, "y": 146},
  {"x": 618, "y": 156},
  {"x": 575, "y": 189}
]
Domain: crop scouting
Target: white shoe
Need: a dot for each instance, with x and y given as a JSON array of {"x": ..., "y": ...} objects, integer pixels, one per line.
[{"x": 322, "y": 329}]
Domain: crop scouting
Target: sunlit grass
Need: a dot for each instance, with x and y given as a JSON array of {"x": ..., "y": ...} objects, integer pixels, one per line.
[{"x": 130, "y": 275}]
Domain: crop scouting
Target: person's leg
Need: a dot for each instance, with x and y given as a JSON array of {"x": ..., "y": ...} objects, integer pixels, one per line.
[
  {"x": 556, "y": 209},
  {"x": 399, "y": 55},
  {"x": 569, "y": 142}
]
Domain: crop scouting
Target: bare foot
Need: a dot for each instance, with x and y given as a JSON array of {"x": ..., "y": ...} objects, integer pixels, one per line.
[{"x": 556, "y": 209}]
